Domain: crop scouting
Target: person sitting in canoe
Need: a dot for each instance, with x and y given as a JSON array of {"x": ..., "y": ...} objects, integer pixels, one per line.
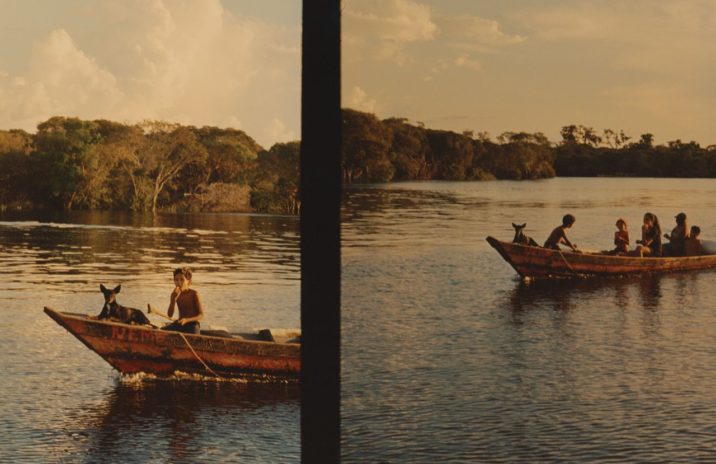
[
  {"x": 679, "y": 234},
  {"x": 650, "y": 243},
  {"x": 187, "y": 300},
  {"x": 692, "y": 244},
  {"x": 559, "y": 234},
  {"x": 621, "y": 238}
]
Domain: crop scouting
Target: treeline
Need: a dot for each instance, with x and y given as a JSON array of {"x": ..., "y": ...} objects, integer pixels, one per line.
[
  {"x": 593, "y": 155},
  {"x": 71, "y": 164},
  {"x": 377, "y": 150},
  {"x": 393, "y": 149}
]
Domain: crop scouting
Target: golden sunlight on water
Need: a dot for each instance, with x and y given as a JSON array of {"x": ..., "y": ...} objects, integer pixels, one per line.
[
  {"x": 63, "y": 403},
  {"x": 448, "y": 357}
]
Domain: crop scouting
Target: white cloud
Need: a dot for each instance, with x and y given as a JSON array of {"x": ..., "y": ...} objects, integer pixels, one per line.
[
  {"x": 382, "y": 29},
  {"x": 474, "y": 32},
  {"x": 278, "y": 131},
  {"x": 635, "y": 21},
  {"x": 60, "y": 79},
  {"x": 188, "y": 61},
  {"x": 357, "y": 99},
  {"x": 464, "y": 61}
]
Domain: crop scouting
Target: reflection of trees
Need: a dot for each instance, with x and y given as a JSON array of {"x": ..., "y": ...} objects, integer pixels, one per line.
[
  {"x": 167, "y": 420},
  {"x": 129, "y": 243}
]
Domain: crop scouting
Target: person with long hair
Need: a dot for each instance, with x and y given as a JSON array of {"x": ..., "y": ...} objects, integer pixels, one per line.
[{"x": 650, "y": 243}]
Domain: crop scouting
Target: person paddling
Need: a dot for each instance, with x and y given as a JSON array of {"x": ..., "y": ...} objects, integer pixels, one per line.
[{"x": 559, "y": 234}]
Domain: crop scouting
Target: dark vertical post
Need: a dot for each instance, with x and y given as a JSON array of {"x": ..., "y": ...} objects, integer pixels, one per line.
[{"x": 320, "y": 232}]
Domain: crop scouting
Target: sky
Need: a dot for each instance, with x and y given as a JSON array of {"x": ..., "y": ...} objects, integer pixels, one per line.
[
  {"x": 481, "y": 65},
  {"x": 225, "y": 63},
  {"x": 642, "y": 66}
]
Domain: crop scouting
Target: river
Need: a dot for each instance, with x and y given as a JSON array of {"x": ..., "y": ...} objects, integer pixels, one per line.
[
  {"x": 448, "y": 357},
  {"x": 63, "y": 403}
]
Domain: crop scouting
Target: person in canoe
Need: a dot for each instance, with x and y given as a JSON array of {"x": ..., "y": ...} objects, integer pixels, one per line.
[
  {"x": 559, "y": 235},
  {"x": 692, "y": 244},
  {"x": 679, "y": 234},
  {"x": 650, "y": 243},
  {"x": 187, "y": 300},
  {"x": 621, "y": 238}
]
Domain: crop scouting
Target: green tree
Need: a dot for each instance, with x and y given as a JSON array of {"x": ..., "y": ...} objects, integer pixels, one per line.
[
  {"x": 168, "y": 149},
  {"x": 276, "y": 187},
  {"x": 15, "y": 173},
  {"x": 71, "y": 170},
  {"x": 366, "y": 144}
]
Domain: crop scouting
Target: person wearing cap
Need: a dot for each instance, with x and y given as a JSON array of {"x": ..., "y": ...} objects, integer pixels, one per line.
[{"x": 678, "y": 236}]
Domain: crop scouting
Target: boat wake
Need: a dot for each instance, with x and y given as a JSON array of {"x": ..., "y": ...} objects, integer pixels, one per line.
[{"x": 179, "y": 376}]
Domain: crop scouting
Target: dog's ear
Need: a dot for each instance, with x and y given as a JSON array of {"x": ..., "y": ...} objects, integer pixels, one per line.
[
  {"x": 515, "y": 225},
  {"x": 102, "y": 288},
  {"x": 117, "y": 289},
  {"x": 523, "y": 225}
]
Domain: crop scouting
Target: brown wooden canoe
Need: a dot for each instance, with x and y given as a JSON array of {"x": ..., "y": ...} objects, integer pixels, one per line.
[
  {"x": 537, "y": 262},
  {"x": 139, "y": 348}
]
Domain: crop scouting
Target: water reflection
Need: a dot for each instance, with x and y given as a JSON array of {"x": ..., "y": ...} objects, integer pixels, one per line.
[
  {"x": 565, "y": 294},
  {"x": 178, "y": 421},
  {"x": 83, "y": 243}
]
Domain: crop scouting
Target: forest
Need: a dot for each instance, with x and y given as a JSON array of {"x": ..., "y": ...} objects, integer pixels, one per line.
[
  {"x": 75, "y": 164},
  {"x": 394, "y": 149}
]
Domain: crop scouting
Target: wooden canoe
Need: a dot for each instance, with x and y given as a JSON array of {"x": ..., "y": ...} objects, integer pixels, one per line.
[
  {"x": 537, "y": 262},
  {"x": 139, "y": 348}
]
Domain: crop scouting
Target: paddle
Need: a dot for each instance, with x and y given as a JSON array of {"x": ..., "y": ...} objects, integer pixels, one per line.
[{"x": 152, "y": 310}]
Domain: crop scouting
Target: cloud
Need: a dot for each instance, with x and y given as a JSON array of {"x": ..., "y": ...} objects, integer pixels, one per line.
[
  {"x": 278, "y": 131},
  {"x": 187, "y": 61},
  {"x": 464, "y": 61},
  {"x": 60, "y": 79},
  {"x": 382, "y": 29},
  {"x": 635, "y": 21},
  {"x": 474, "y": 32},
  {"x": 357, "y": 99}
]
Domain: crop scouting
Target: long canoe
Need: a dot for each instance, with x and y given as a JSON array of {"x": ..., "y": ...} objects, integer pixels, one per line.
[
  {"x": 140, "y": 348},
  {"x": 537, "y": 262}
]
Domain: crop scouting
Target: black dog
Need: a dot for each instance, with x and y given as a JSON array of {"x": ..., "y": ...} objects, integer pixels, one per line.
[
  {"x": 114, "y": 310},
  {"x": 521, "y": 238}
]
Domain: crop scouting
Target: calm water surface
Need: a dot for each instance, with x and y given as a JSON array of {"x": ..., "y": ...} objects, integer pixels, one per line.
[
  {"x": 448, "y": 357},
  {"x": 63, "y": 403}
]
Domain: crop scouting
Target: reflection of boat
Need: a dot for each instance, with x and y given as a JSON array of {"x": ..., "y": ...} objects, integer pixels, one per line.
[
  {"x": 537, "y": 262},
  {"x": 137, "y": 348},
  {"x": 141, "y": 420}
]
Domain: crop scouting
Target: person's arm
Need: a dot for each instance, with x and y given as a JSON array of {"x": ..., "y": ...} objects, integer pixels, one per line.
[
  {"x": 173, "y": 301},
  {"x": 566, "y": 241},
  {"x": 645, "y": 240},
  {"x": 199, "y": 311}
]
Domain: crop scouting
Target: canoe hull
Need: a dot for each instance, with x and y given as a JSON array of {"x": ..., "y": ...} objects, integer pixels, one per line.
[
  {"x": 540, "y": 263},
  {"x": 135, "y": 348}
]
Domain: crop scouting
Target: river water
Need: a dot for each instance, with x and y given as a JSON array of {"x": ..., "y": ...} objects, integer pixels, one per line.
[
  {"x": 448, "y": 357},
  {"x": 63, "y": 403}
]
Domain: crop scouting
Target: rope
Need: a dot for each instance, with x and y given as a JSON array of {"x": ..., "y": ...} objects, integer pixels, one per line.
[
  {"x": 566, "y": 262},
  {"x": 197, "y": 356}
]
